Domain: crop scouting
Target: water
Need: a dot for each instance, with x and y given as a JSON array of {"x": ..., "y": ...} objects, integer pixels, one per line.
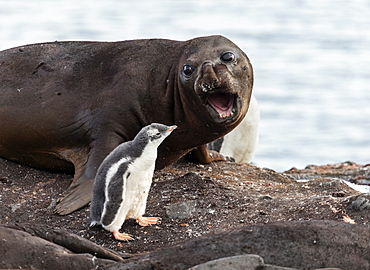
[{"x": 311, "y": 60}]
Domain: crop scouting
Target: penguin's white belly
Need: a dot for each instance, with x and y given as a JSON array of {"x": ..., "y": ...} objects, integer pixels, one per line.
[{"x": 136, "y": 185}]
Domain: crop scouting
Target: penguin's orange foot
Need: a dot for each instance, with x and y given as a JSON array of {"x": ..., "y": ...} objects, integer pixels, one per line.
[
  {"x": 145, "y": 221},
  {"x": 122, "y": 236}
]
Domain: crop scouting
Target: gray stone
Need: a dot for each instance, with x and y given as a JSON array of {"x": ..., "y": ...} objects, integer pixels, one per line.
[
  {"x": 241, "y": 262},
  {"x": 273, "y": 267},
  {"x": 361, "y": 203},
  {"x": 15, "y": 207},
  {"x": 265, "y": 197},
  {"x": 181, "y": 210}
]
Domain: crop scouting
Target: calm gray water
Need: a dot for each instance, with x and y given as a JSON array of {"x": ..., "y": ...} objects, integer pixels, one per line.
[{"x": 311, "y": 60}]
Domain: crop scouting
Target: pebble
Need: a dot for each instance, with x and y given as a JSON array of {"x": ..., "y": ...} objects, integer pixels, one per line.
[
  {"x": 4, "y": 179},
  {"x": 15, "y": 207},
  {"x": 265, "y": 197},
  {"x": 52, "y": 204},
  {"x": 181, "y": 210},
  {"x": 361, "y": 203},
  {"x": 191, "y": 174}
]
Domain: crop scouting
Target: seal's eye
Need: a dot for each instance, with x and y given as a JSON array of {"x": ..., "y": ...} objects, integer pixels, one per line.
[
  {"x": 188, "y": 70},
  {"x": 228, "y": 57}
]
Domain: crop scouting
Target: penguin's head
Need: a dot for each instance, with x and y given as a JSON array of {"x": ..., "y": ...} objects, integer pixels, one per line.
[{"x": 158, "y": 132}]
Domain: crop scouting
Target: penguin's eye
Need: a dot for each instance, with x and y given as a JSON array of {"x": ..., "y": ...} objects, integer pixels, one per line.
[
  {"x": 188, "y": 70},
  {"x": 228, "y": 57},
  {"x": 155, "y": 136}
]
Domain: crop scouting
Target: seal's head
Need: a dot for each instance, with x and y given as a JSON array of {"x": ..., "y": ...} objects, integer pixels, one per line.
[{"x": 221, "y": 76}]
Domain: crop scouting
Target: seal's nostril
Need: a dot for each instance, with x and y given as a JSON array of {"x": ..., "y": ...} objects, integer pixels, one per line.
[
  {"x": 206, "y": 87},
  {"x": 215, "y": 83}
]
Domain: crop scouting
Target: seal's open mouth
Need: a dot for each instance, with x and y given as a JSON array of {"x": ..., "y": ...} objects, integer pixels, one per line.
[{"x": 222, "y": 103}]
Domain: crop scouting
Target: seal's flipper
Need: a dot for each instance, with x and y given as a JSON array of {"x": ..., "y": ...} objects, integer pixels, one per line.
[
  {"x": 79, "y": 192},
  {"x": 77, "y": 196},
  {"x": 204, "y": 156}
]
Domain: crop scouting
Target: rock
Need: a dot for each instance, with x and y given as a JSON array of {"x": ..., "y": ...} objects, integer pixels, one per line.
[
  {"x": 301, "y": 245},
  {"x": 4, "y": 179},
  {"x": 21, "y": 249},
  {"x": 191, "y": 174},
  {"x": 16, "y": 206},
  {"x": 265, "y": 197},
  {"x": 327, "y": 269},
  {"x": 361, "y": 203},
  {"x": 240, "y": 262},
  {"x": 52, "y": 204},
  {"x": 217, "y": 200},
  {"x": 182, "y": 210},
  {"x": 274, "y": 267}
]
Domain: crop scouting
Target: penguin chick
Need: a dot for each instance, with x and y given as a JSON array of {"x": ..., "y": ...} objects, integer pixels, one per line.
[{"x": 123, "y": 181}]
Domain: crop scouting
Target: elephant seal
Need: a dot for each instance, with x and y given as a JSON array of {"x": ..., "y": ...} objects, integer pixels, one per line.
[{"x": 65, "y": 106}]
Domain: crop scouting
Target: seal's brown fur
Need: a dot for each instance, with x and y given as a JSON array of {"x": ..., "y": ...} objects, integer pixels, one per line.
[{"x": 66, "y": 105}]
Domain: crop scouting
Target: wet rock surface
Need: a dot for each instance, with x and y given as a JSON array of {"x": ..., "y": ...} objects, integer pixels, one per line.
[{"x": 195, "y": 200}]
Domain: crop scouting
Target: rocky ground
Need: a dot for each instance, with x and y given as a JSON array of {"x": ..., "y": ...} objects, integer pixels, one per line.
[{"x": 194, "y": 200}]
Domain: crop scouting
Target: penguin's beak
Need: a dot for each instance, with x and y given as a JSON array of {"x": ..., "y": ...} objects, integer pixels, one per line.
[{"x": 172, "y": 128}]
